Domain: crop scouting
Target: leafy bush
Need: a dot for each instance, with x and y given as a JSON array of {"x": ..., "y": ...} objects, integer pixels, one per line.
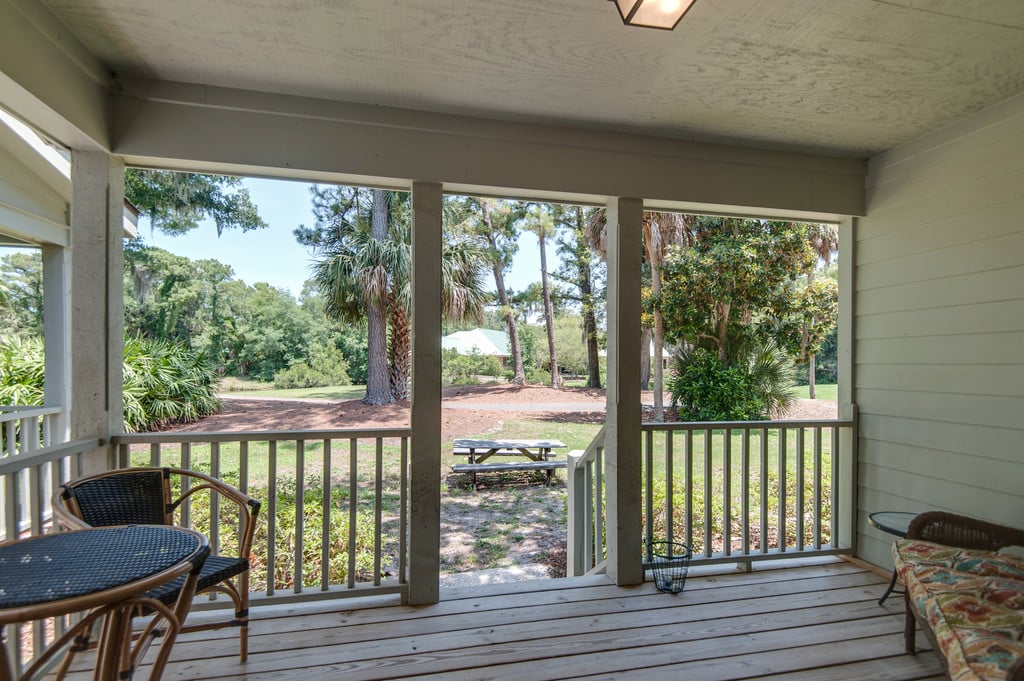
[
  {"x": 21, "y": 371},
  {"x": 460, "y": 369},
  {"x": 165, "y": 383},
  {"x": 754, "y": 386},
  {"x": 706, "y": 390},
  {"x": 325, "y": 365}
]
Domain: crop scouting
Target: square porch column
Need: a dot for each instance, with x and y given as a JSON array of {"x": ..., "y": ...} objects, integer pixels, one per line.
[
  {"x": 97, "y": 302},
  {"x": 624, "y": 414},
  {"x": 425, "y": 420}
]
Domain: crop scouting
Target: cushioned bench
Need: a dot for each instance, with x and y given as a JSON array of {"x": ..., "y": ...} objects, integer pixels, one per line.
[{"x": 965, "y": 587}]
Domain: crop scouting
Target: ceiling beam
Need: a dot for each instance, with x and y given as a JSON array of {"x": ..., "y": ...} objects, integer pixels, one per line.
[
  {"x": 183, "y": 125},
  {"x": 49, "y": 79}
]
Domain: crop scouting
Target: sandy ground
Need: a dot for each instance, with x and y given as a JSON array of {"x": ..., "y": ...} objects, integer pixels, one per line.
[
  {"x": 464, "y": 409},
  {"x": 514, "y": 520}
]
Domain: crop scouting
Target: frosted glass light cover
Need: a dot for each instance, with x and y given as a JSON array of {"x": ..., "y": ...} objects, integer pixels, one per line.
[{"x": 664, "y": 14}]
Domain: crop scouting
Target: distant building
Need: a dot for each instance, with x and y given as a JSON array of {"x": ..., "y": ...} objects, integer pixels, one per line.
[{"x": 487, "y": 342}]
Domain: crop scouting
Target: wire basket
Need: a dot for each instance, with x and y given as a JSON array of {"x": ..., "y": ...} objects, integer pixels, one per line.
[{"x": 670, "y": 562}]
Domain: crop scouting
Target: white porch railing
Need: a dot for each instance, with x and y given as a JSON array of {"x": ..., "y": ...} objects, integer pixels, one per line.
[
  {"x": 33, "y": 462},
  {"x": 335, "y": 503},
  {"x": 734, "y": 492}
]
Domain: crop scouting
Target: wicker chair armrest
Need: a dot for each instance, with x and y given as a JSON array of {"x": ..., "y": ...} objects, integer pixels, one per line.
[
  {"x": 248, "y": 507},
  {"x": 64, "y": 516},
  {"x": 963, "y": 532}
]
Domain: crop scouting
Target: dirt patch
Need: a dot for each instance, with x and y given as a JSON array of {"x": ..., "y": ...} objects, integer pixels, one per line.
[{"x": 509, "y": 519}]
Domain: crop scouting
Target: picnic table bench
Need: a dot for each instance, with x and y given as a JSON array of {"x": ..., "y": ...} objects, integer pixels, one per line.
[{"x": 538, "y": 455}]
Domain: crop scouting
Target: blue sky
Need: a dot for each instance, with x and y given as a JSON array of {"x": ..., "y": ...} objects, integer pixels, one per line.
[{"x": 273, "y": 256}]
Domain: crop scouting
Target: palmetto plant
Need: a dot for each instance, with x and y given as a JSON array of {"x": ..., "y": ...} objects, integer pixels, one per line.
[{"x": 164, "y": 383}]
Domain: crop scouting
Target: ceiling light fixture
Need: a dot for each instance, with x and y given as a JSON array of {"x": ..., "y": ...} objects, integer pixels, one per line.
[{"x": 664, "y": 14}]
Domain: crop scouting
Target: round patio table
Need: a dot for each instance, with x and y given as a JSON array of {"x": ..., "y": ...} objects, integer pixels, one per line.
[
  {"x": 895, "y": 523},
  {"x": 105, "y": 571}
]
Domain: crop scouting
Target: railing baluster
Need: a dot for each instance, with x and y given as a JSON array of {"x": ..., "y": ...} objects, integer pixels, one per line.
[
  {"x": 817, "y": 487},
  {"x": 669, "y": 483},
  {"x": 353, "y": 490},
  {"x": 186, "y": 463},
  {"x": 325, "y": 519},
  {"x": 745, "y": 490},
  {"x": 708, "y": 493},
  {"x": 403, "y": 515},
  {"x": 764, "y": 490},
  {"x": 833, "y": 539},
  {"x": 599, "y": 519},
  {"x": 154, "y": 455},
  {"x": 689, "y": 489},
  {"x": 589, "y": 517},
  {"x": 271, "y": 516},
  {"x": 648, "y": 462},
  {"x": 800, "y": 502},
  {"x": 378, "y": 509},
  {"x": 727, "y": 492},
  {"x": 782, "y": 489},
  {"x": 214, "y": 534},
  {"x": 300, "y": 513}
]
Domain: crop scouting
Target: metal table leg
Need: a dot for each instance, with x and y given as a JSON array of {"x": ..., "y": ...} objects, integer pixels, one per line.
[{"x": 892, "y": 586}]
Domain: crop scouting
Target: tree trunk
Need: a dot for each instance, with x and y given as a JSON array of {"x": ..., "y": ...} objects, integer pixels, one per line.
[
  {"x": 810, "y": 377},
  {"x": 398, "y": 350},
  {"x": 549, "y": 315},
  {"x": 518, "y": 371},
  {"x": 590, "y": 330},
  {"x": 378, "y": 381},
  {"x": 657, "y": 363},
  {"x": 645, "y": 358}
]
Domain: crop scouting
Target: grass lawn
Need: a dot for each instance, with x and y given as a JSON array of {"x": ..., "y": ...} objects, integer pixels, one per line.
[
  {"x": 330, "y": 392},
  {"x": 822, "y": 391}
]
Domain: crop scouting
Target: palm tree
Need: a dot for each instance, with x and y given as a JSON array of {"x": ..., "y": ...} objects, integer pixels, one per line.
[
  {"x": 365, "y": 267},
  {"x": 356, "y": 257},
  {"x": 539, "y": 222},
  {"x": 824, "y": 239}
]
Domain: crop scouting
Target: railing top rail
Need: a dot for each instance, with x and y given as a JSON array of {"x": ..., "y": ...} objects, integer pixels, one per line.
[
  {"x": 745, "y": 425},
  {"x": 13, "y": 412},
  {"x": 590, "y": 453},
  {"x": 13, "y": 464},
  {"x": 260, "y": 435}
]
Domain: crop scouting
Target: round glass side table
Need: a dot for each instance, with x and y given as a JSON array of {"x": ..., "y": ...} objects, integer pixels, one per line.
[{"x": 896, "y": 524}]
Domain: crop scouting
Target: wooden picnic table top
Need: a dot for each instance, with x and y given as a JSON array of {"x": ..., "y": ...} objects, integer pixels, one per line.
[{"x": 508, "y": 444}]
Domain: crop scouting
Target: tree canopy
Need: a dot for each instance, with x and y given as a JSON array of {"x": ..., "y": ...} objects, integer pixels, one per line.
[{"x": 176, "y": 203}]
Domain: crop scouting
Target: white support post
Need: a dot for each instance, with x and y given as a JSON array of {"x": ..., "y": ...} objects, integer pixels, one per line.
[
  {"x": 425, "y": 421},
  {"x": 622, "y": 441},
  {"x": 57, "y": 336},
  {"x": 847, "y": 399},
  {"x": 97, "y": 302}
]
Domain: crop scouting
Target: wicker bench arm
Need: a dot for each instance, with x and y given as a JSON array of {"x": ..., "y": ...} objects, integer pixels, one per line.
[{"x": 963, "y": 532}]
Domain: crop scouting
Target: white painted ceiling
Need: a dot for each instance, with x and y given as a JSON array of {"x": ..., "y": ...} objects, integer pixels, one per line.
[{"x": 847, "y": 77}]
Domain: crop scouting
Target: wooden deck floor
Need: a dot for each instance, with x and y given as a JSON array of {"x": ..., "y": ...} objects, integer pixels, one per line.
[{"x": 804, "y": 623}]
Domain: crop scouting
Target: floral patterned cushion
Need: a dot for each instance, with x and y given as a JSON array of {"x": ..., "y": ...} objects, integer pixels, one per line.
[{"x": 972, "y": 600}]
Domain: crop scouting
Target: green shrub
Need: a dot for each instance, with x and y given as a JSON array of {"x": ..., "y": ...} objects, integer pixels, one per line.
[
  {"x": 460, "y": 369},
  {"x": 325, "y": 365},
  {"x": 706, "y": 390},
  {"x": 21, "y": 371},
  {"x": 755, "y": 386},
  {"x": 165, "y": 383}
]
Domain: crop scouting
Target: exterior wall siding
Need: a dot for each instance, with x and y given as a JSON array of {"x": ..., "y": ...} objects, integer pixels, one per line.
[{"x": 939, "y": 330}]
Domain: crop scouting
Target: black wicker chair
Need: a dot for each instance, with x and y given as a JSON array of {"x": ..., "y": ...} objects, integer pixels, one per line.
[{"x": 143, "y": 496}]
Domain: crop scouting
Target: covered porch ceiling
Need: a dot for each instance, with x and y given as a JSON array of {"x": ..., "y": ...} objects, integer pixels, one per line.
[{"x": 850, "y": 78}]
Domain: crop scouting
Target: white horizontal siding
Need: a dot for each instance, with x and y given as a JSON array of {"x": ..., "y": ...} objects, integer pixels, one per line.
[{"x": 939, "y": 328}]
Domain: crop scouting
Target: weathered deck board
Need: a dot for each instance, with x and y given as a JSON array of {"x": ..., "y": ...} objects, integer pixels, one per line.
[{"x": 816, "y": 622}]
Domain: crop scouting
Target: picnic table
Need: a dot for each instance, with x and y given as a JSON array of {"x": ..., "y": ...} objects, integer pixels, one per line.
[{"x": 538, "y": 455}]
